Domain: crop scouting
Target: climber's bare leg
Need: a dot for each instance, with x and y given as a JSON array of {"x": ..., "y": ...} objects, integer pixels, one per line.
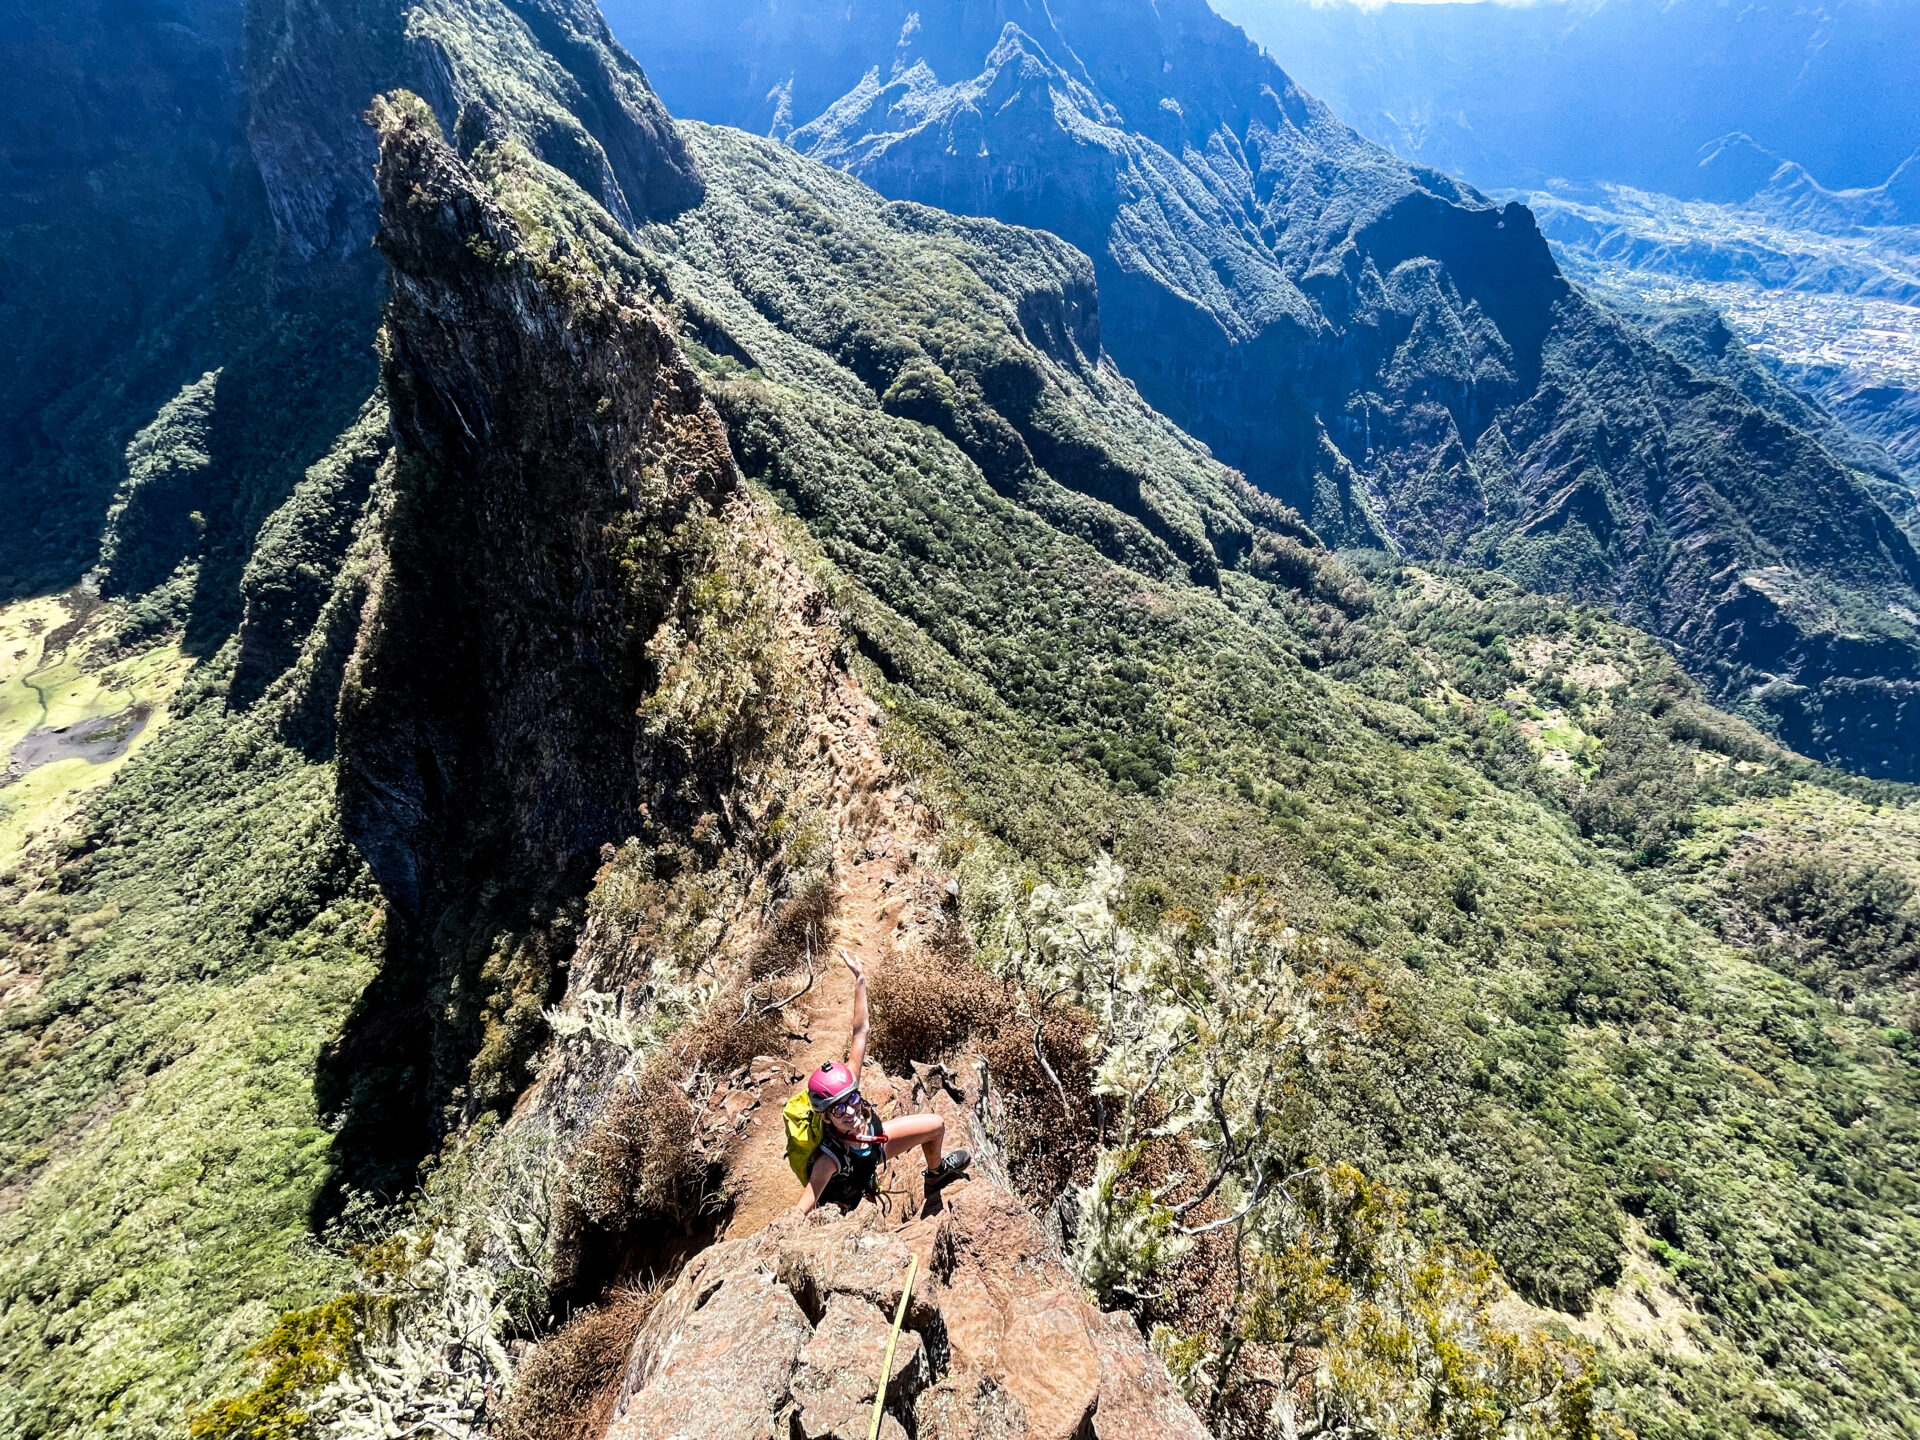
[{"x": 929, "y": 1132}]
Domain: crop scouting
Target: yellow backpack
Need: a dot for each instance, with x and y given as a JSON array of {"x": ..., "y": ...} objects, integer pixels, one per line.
[{"x": 806, "y": 1127}]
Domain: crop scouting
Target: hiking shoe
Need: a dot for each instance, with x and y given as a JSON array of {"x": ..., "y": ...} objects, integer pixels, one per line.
[{"x": 952, "y": 1166}]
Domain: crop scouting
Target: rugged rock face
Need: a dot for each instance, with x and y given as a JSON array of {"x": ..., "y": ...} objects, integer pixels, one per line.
[
  {"x": 1383, "y": 348},
  {"x": 558, "y": 486},
  {"x": 544, "y": 71},
  {"x": 505, "y": 614},
  {"x": 783, "y": 1333}
]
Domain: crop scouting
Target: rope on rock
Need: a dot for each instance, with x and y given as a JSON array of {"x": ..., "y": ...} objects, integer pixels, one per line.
[{"x": 893, "y": 1339}]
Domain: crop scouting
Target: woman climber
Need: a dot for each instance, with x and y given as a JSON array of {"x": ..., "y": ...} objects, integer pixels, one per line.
[{"x": 849, "y": 1143}]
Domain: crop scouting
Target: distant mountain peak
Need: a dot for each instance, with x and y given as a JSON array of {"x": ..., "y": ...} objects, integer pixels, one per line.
[
  {"x": 1902, "y": 189},
  {"x": 1735, "y": 168},
  {"x": 1793, "y": 196}
]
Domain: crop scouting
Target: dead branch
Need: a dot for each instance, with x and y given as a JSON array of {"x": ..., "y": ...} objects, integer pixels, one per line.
[
  {"x": 1247, "y": 1209},
  {"x": 777, "y": 1006},
  {"x": 1039, "y": 1023},
  {"x": 1231, "y": 1154},
  {"x": 1259, "y": 1184},
  {"x": 1158, "y": 1066}
]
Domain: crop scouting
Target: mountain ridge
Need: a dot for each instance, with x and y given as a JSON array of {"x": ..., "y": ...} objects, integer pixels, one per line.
[
  {"x": 1617, "y": 997},
  {"x": 1386, "y": 350}
]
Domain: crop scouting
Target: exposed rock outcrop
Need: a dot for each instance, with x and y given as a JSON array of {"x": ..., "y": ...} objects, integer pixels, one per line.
[
  {"x": 558, "y": 488},
  {"x": 545, "y": 72},
  {"x": 508, "y": 612},
  {"x": 783, "y": 1332}
]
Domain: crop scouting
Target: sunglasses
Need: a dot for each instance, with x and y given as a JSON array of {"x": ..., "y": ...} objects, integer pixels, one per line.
[{"x": 848, "y": 1106}]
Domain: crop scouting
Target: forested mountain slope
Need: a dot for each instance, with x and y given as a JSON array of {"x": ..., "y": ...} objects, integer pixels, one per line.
[
  {"x": 1375, "y": 344},
  {"x": 675, "y": 576}
]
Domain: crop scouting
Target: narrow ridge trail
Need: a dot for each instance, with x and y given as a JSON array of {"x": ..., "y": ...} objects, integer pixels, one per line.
[
  {"x": 875, "y": 896},
  {"x": 779, "y": 1330}
]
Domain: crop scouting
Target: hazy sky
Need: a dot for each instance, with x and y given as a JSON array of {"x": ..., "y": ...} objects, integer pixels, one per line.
[
  {"x": 1634, "y": 91},
  {"x": 1239, "y": 11}
]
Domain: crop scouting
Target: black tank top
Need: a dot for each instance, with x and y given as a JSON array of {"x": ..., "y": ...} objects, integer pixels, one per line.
[{"x": 859, "y": 1172}]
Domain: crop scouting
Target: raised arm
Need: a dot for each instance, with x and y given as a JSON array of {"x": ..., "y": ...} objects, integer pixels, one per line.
[{"x": 857, "y": 1048}]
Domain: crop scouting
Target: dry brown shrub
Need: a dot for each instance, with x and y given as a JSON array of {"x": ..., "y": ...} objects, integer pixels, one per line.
[
  {"x": 736, "y": 1027},
  {"x": 641, "y": 1159},
  {"x": 928, "y": 1002},
  {"x": 1049, "y": 1147},
  {"x": 806, "y": 919},
  {"x": 1194, "y": 1291},
  {"x": 568, "y": 1221},
  {"x": 567, "y": 1386}
]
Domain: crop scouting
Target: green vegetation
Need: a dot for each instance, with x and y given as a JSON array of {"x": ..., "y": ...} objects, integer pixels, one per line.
[
  {"x": 1836, "y": 931},
  {"x": 183, "y": 964},
  {"x": 1570, "y": 1052},
  {"x": 176, "y": 958},
  {"x": 1622, "y": 991},
  {"x": 306, "y": 1351}
]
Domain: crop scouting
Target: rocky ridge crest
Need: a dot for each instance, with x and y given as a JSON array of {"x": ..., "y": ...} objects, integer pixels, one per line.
[{"x": 783, "y": 1331}]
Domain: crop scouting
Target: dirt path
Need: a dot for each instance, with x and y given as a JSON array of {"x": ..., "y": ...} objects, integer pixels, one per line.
[{"x": 873, "y": 897}]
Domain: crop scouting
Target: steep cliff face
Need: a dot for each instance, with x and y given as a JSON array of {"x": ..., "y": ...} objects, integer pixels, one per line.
[
  {"x": 189, "y": 188},
  {"x": 555, "y": 529},
  {"x": 544, "y": 71},
  {"x": 509, "y": 610},
  {"x": 1379, "y": 346}
]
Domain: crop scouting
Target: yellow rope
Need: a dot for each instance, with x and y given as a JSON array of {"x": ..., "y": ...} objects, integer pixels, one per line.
[{"x": 893, "y": 1338}]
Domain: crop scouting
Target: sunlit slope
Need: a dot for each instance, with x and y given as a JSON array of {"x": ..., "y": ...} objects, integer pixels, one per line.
[
  {"x": 1574, "y": 1054},
  {"x": 1378, "y": 344},
  {"x": 66, "y": 728}
]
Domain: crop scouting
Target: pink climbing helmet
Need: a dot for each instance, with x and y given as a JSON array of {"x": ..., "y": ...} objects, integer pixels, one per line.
[{"x": 831, "y": 1084}]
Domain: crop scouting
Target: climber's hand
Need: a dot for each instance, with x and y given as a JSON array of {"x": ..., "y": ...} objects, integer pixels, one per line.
[{"x": 859, "y": 970}]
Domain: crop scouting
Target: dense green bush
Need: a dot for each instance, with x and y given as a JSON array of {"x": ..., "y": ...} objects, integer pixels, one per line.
[
  {"x": 1835, "y": 929},
  {"x": 1643, "y": 791}
]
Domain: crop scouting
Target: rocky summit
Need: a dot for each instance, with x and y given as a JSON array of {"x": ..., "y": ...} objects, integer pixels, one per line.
[{"x": 552, "y": 601}]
